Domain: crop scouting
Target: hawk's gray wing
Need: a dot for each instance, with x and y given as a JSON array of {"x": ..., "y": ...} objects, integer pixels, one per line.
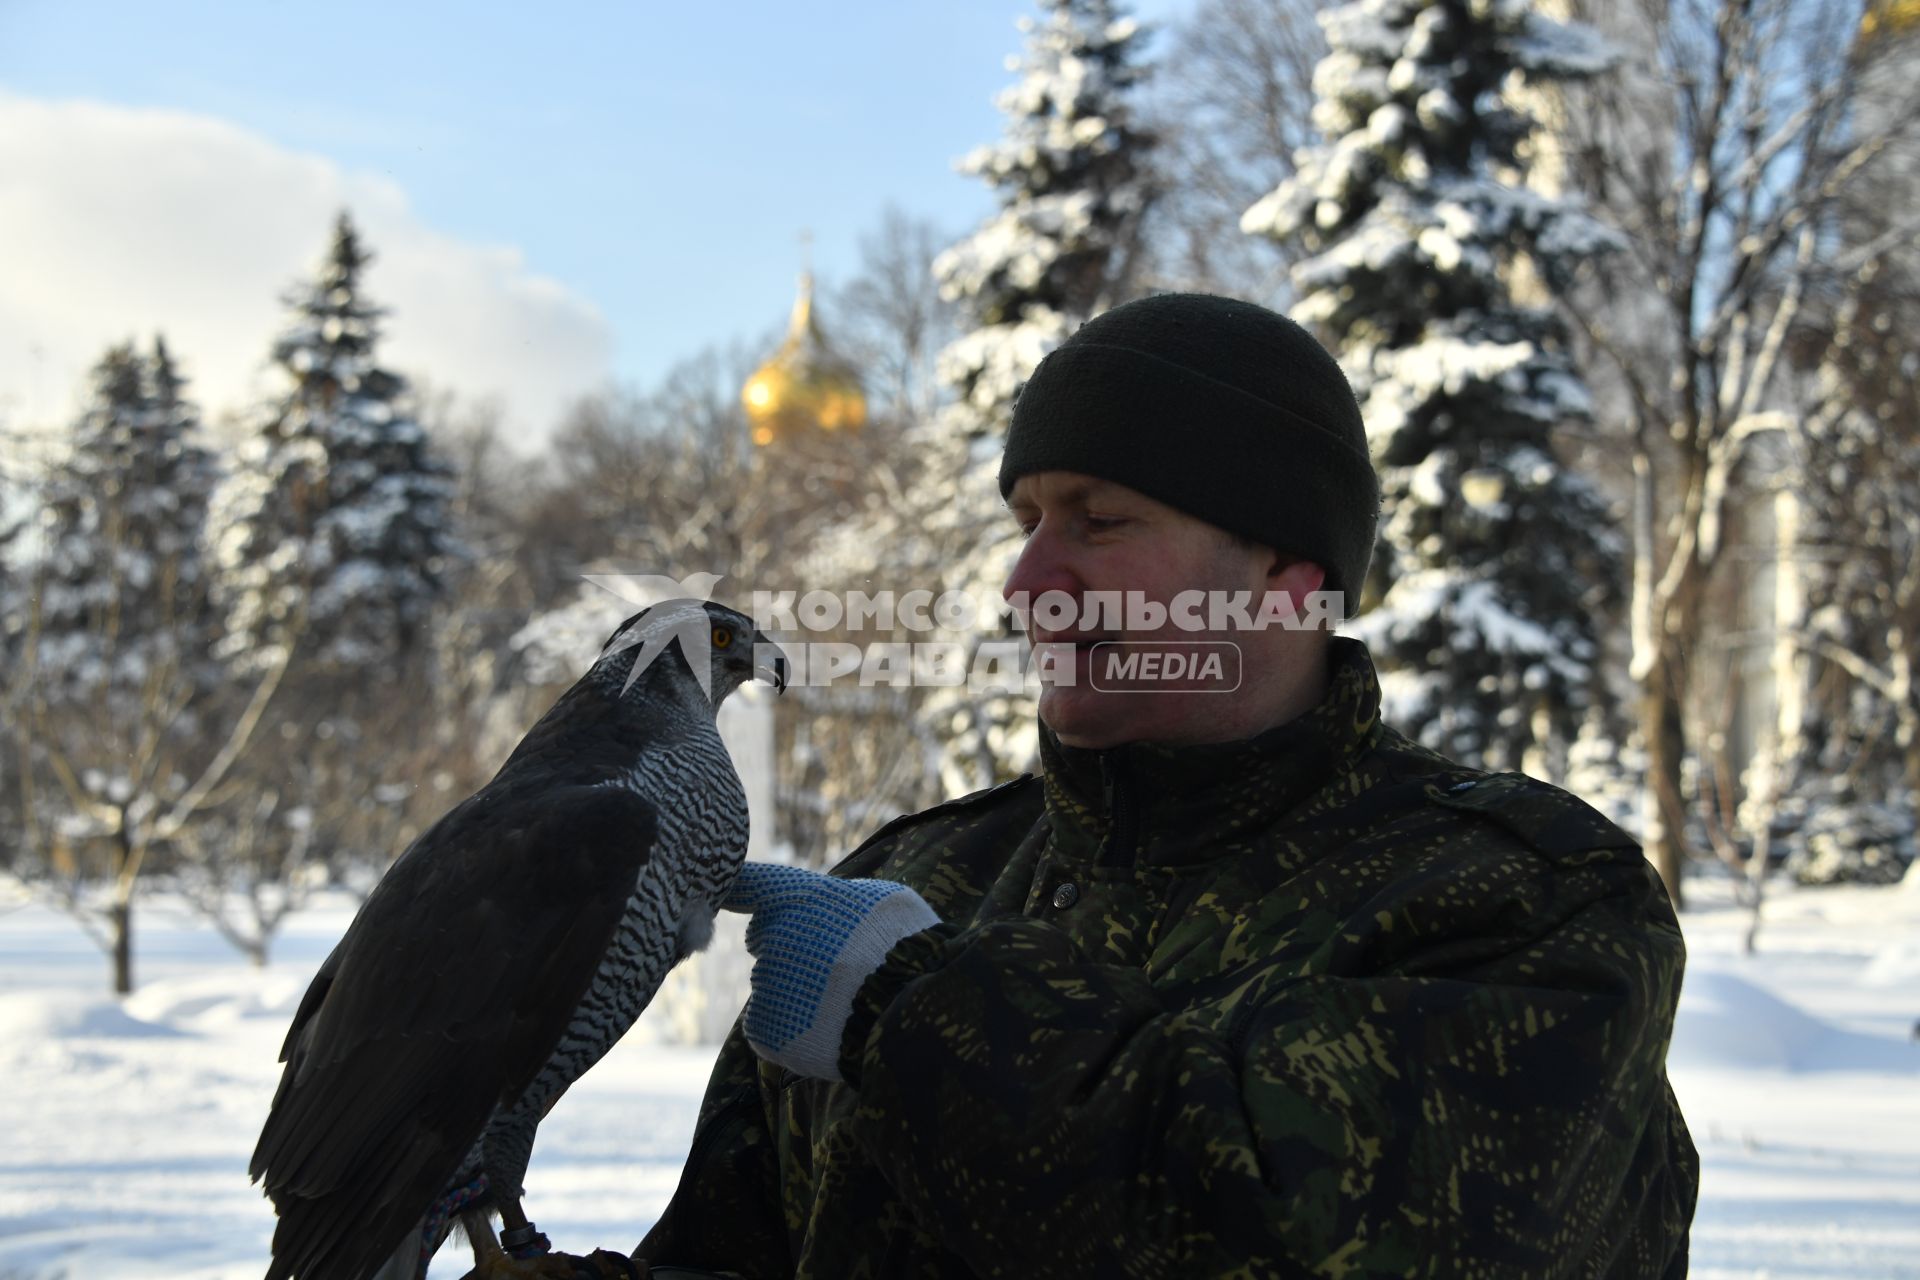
[{"x": 444, "y": 999}]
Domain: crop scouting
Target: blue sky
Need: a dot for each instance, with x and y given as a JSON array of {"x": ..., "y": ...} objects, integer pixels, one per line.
[{"x": 656, "y": 162}]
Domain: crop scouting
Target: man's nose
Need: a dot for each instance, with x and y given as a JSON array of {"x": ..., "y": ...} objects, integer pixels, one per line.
[{"x": 1044, "y": 565}]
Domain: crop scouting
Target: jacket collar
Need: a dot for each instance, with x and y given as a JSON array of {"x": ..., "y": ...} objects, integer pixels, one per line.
[{"x": 1150, "y": 803}]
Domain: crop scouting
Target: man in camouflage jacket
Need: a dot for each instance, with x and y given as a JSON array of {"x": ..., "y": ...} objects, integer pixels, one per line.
[{"x": 1309, "y": 1000}]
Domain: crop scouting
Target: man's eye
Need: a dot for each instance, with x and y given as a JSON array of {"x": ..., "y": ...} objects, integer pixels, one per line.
[{"x": 1098, "y": 523}]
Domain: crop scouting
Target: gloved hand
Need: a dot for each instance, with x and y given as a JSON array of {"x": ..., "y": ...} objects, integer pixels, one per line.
[{"x": 814, "y": 940}]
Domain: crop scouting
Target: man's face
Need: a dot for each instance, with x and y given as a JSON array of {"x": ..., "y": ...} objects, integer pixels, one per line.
[{"x": 1085, "y": 535}]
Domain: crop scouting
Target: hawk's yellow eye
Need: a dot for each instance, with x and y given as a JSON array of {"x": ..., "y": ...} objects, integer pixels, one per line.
[{"x": 722, "y": 637}]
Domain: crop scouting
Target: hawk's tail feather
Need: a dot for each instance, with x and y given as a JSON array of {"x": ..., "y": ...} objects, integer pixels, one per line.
[{"x": 406, "y": 1263}]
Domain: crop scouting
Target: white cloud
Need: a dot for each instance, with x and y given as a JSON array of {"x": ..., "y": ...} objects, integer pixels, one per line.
[{"x": 117, "y": 223}]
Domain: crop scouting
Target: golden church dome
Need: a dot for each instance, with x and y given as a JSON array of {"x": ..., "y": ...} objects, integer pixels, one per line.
[{"x": 805, "y": 387}]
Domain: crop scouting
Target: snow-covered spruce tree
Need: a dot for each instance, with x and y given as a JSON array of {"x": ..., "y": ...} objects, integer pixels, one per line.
[
  {"x": 1072, "y": 188},
  {"x": 335, "y": 528},
  {"x": 1854, "y": 784},
  {"x": 13, "y": 611},
  {"x": 1495, "y": 567},
  {"x": 119, "y": 579}
]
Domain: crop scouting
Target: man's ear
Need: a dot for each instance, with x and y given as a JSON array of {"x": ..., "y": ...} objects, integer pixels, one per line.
[
  {"x": 1298, "y": 578},
  {"x": 1291, "y": 584}
]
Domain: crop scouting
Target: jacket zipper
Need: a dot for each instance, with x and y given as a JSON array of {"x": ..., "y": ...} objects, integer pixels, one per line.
[{"x": 1123, "y": 829}]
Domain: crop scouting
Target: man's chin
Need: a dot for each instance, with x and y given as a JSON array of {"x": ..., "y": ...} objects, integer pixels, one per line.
[{"x": 1077, "y": 719}]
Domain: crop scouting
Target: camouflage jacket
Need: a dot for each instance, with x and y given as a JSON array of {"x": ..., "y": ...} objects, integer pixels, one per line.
[{"x": 1322, "y": 1003}]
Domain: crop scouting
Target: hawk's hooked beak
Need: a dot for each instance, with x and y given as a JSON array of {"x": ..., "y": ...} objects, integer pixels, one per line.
[{"x": 769, "y": 663}]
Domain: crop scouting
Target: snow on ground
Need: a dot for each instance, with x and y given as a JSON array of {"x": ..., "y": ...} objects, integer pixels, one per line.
[
  {"x": 129, "y": 1124},
  {"x": 1799, "y": 1074}
]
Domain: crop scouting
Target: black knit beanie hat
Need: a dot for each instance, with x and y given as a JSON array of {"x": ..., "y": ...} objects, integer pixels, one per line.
[{"x": 1219, "y": 408}]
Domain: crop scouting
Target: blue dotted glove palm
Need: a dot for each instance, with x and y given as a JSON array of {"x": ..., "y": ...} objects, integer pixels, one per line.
[{"x": 814, "y": 939}]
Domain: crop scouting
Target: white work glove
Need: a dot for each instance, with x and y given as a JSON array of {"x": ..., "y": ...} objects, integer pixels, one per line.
[{"x": 814, "y": 940}]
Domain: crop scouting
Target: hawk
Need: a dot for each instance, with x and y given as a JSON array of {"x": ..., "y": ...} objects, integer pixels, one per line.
[{"x": 503, "y": 954}]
